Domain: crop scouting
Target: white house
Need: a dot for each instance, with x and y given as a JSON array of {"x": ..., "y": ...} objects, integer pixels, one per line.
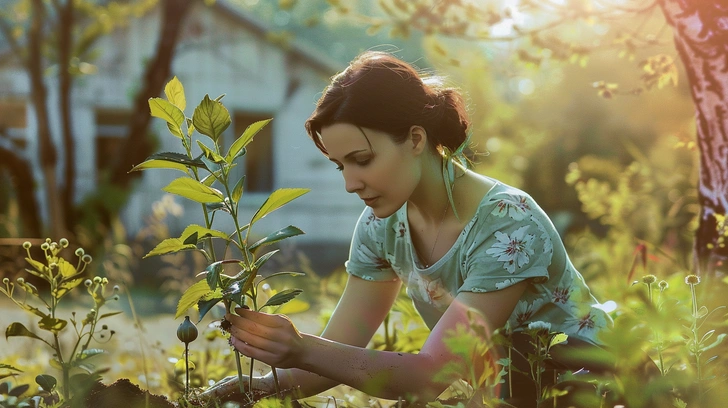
[{"x": 222, "y": 50}]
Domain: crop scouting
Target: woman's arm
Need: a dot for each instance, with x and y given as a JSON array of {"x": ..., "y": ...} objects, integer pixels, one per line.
[
  {"x": 274, "y": 340},
  {"x": 359, "y": 313}
]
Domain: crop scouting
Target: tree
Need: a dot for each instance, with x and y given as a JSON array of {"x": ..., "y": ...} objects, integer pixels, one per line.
[
  {"x": 573, "y": 30},
  {"x": 60, "y": 33}
]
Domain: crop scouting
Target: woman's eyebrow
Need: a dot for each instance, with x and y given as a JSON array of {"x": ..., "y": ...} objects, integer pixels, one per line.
[{"x": 348, "y": 155}]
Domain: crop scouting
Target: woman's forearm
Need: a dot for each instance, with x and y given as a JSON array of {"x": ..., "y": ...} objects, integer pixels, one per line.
[
  {"x": 306, "y": 383},
  {"x": 383, "y": 374}
]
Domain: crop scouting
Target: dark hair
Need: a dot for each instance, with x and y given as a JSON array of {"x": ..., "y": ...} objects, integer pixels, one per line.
[{"x": 379, "y": 91}]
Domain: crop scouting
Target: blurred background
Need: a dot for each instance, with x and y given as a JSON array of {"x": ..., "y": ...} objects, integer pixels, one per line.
[{"x": 585, "y": 108}]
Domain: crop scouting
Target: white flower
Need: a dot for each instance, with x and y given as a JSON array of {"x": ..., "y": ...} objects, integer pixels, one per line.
[
  {"x": 514, "y": 206},
  {"x": 514, "y": 250},
  {"x": 525, "y": 310},
  {"x": 548, "y": 247}
]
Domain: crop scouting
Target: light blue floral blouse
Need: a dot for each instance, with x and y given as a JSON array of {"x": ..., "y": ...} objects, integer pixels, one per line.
[{"x": 509, "y": 239}]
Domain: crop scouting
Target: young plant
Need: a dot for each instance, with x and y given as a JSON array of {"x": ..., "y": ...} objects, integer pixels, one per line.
[
  {"x": 208, "y": 180},
  {"x": 62, "y": 277},
  {"x": 542, "y": 339},
  {"x": 187, "y": 333}
]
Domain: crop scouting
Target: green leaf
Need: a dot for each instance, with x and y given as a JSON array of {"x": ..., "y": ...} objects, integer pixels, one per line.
[
  {"x": 66, "y": 268},
  {"x": 236, "y": 149},
  {"x": 66, "y": 286},
  {"x": 159, "y": 164},
  {"x": 51, "y": 324},
  {"x": 192, "y": 239},
  {"x": 213, "y": 272},
  {"x": 103, "y": 316},
  {"x": 47, "y": 382},
  {"x": 194, "y": 190},
  {"x": 210, "y": 155},
  {"x": 178, "y": 158},
  {"x": 169, "y": 246},
  {"x": 19, "y": 390},
  {"x": 171, "y": 114},
  {"x": 202, "y": 232},
  {"x": 718, "y": 341},
  {"x": 281, "y": 234},
  {"x": 17, "y": 329},
  {"x": 282, "y": 297},
  {"x": 191, "y": 296},
  {"x": 206, "y": 305},
  {"x": 40, "y": 267},
  {"x": 276, "y": 200},
  {"x": 558, "y": 339},
  {"x": 211, "y": 118},
  {"x": 175, "y": 93},
  {"x": 238, "y": 190},
  {"x": 263, "y": 259},
  {"x": 88, "y": 353}
]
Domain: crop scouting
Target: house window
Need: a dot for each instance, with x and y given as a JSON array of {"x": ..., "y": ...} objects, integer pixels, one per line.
[
  {"x": 258, "y": 160},
  {"x": 111, "y": 128},
  {"x": 13, "y": 122}
]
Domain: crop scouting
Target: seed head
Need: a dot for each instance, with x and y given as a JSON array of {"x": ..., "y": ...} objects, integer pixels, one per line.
[
  {"x": 87, "y": 282},
  {"x": 44, "y": 246},
  {"x": 649, "y": 279},
  {"x": 692, "y": 279},
  {"x": 97, "y": 279},
  {"x": 86, "y": 259},
  {"x": 63, "y": 242},
  {"x": 79, "y": 252},
  {"x": 663, "y": 285},
  {"x": 6, "y": 281},
  {"x": 27, "y": 245},
  {"x": 187, "y": 331}
]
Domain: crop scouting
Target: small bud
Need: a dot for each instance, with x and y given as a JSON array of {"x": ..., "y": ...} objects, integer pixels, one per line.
[
  {"x": 663, "y": 285},
  {"x": 692, "y": 279},
  {"x": 116, "y": 289},
  {"x": 26, "y": 245},
  {"x": 187, "y": 331},
  {"x": 87, "y": 282},
  {"x": 48, "y": 240},
  {"x": 86, "y": 258},
  {"x": 6, "y": 281},
  {"x": 63, "y": 242},
  {"x": 104, "y": 281},
  {"x": 649, "y": 279},
  {"x": 21, "y": 280},
  {"x": 79, "y": 252},
  {"x": 97, "y": 279},
  {"x": 44, "y": 246}
]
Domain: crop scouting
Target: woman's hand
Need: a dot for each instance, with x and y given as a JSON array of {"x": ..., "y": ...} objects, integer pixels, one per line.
[
  {"x": 272, "y": 339},
  {"x": 226, "y": 387}
]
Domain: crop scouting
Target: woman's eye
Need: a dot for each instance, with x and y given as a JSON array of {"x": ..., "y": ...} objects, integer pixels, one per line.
[{"x": 363, "y": 162}]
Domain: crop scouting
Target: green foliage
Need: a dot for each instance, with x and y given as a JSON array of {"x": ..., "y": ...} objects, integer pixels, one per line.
[
  {"x": 62, "y": 277},
  {"x": 210, "y": 119}
]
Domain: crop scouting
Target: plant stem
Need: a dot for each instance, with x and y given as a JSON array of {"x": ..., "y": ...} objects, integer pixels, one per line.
[
  {"x": 240, "y": 372},
  {"x": 187, "y": 370},
  {"x": 275, "y": 380}
]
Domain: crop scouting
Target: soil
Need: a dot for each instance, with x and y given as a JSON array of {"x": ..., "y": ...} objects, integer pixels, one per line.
[{"x": 123, "y": 394}]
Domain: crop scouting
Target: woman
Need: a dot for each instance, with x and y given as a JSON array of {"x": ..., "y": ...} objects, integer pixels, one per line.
[{"x": 457, "y": 241}]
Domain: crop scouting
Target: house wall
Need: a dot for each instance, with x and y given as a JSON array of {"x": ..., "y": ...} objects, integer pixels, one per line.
[{"x": 217, "y": 55}]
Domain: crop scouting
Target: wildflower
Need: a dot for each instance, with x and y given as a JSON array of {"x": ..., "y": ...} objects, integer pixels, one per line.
[
  {"x": 649, "y": 279},
  {"x": 692, "y": 280},
  {"x": 663, "y": 285},
  {"x": 26, "y": 245}
]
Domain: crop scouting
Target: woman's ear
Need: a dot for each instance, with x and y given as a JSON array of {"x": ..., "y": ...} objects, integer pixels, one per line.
[{"x": 418, "y": 139}]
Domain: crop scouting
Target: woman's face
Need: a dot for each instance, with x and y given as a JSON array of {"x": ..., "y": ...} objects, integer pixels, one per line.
[{"x": 382, "y": 173}]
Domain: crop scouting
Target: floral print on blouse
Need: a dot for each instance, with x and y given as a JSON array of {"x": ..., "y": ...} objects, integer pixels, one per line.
[{"x": 509, "y": 239}]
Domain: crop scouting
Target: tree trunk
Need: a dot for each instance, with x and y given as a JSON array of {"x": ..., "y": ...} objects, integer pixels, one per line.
[
  {"x": 65, "y": 43},
  {"x": 21, "y": 177},
  {"x": 137, "y": 145},
  {"x": 47, "y": 153},
  {"x": 701, "y": 38}
]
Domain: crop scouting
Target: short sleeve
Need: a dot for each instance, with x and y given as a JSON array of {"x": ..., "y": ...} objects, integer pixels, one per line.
[
  {"x": 511, "y": 244},
  {"x": 366, "y": 254}
]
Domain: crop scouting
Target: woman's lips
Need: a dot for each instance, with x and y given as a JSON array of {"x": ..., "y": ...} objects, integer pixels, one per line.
[{"x": 369, "y": 201}]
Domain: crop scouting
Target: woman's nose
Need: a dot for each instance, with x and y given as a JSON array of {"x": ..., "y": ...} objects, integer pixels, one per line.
[{"x": 352, "y": 183}]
